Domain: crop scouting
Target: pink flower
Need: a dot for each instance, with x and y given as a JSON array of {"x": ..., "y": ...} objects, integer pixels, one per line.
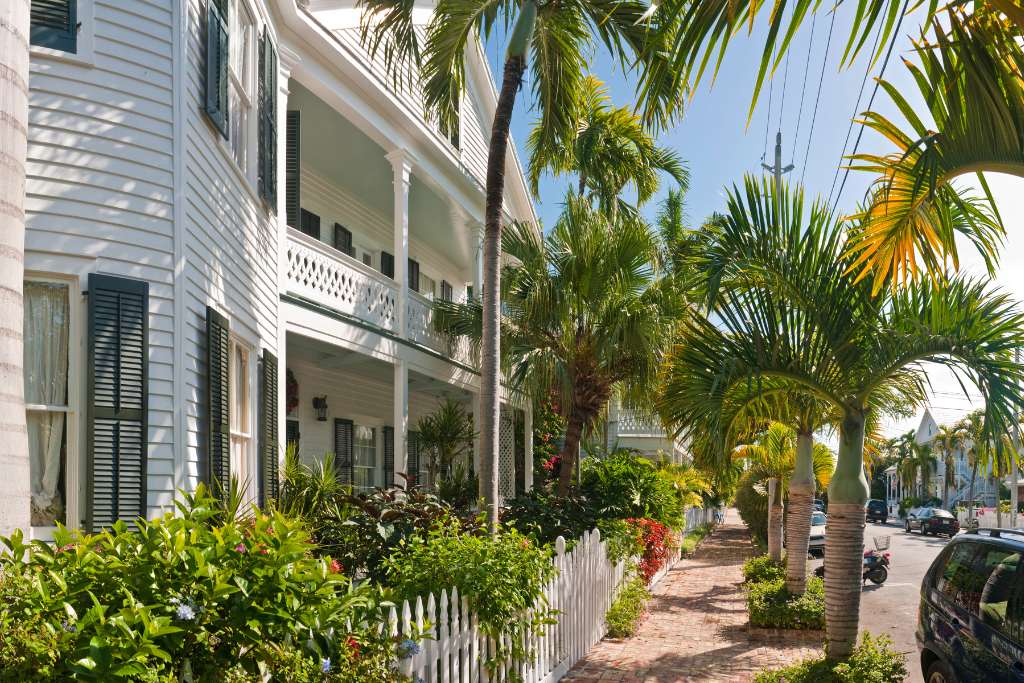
[
  {"x": 336, "y": 566},
  {"x": 241, "y": 548},
  {"x": 65, "y": 548}
]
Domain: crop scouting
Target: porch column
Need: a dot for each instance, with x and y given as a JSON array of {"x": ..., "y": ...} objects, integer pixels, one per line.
[
  {"x": 401, "y": 419},
  {"x": 528, "y": 435},
  {"x": 401, "y": 164}
]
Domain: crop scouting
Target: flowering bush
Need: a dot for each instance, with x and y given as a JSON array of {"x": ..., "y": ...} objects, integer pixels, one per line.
[
  {"x": 657, "y": 542},
  {"x": 625, "y": 485},
  {"x": 548, "y": 431},
  {"x": 190, "y": 597}
]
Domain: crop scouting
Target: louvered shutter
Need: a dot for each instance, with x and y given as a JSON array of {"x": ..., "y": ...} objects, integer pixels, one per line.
[
  {"x": 217, "y": 64},
  {"x": 268, "y": 121},
  {"x": 414, "y": 275},
  {"x": 387, "y": 264},
  {"x": 469, "y": 293},
  {"x": 291, "y": 433},
  {"x": 413, "y": 463},
  {"x": 54, "y": 24},
  {"x": 116, "y": 421},
  {"x": 446, "y": 291},
  {"x": 291, "y": 170},
  {"x": 343, "y": 240},
  {"x": 268, "y": 428},
  {"x": 309, "y": 223},
  {"x": 344, "y": 451},
  {"x": 389, "y": 457},
  {"x": 218, "y": 401}
]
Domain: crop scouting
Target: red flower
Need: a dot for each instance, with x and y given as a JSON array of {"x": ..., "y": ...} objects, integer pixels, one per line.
[
  {"x": 336, "y": 566},
  {"x": 353, "y": 645}
]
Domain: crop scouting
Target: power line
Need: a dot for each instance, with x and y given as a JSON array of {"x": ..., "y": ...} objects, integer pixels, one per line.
[
  {"x": 817, "y": 97},
  {"x": 768, "y": 120},
  {"x": 803, "y": 87},
  {"x": 878, "y": 81},
  {"x": 856, "y": 108}
]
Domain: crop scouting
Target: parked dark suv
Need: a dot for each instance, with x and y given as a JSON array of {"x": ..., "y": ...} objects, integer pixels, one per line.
[
  {"x": 970, "y": 626},
  {"x": 877, "y": 511}
]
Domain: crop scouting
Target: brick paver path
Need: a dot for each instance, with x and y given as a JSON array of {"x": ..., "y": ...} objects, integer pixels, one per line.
[{"x": 696, "y": 628}]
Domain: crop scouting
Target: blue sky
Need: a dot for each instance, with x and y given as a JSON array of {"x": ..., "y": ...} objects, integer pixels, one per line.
[{"x": 719, "y": 148}]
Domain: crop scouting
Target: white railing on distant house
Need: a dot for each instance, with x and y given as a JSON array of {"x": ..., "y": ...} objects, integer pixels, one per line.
[
  {"x": 328, "y": 277},
  {"x": 452, "y": 648},
  {"x": 632, "y": 424}
]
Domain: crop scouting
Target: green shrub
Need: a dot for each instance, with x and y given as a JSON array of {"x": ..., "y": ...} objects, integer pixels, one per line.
[
  {"x": 872, "y": 661},
  {"x": 693, "y": 538},
  {"x": 622, "y": 539},
  {"x": 503, "y": 577},
  {"x": 194, "y": 594},
  {"x": 625, "y": 485},
  {"x": 771, "y": 606},
  {"x": 624, "y": 614},
  {"x": 762, "y": 568},
  {"x": 544, "y": 517},
  {"x": 752, "y": 506}
]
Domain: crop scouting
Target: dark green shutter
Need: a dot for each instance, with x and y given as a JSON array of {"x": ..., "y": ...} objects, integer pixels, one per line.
[
  {"x": 217, "y": 56},
  {"x": 218, "y": 401},
  {"x": 291, "y": 170},
  {"x": 520, "y": 452},
  {"x": 309, "y": 223},
  {"x": 343, "y": 240},
  {"x": 469, "y": 293},
  {"x": 267, "y": 121},
  {"x": 291, "y": 433},
  {"x": 414, "y": 275},
  {"x": 389, "y": 457},
  {"x": 387, "y": 264},
  {"x": 412, "y": 466},
  {"x": 446, "y": 291},
  {"x": 344, "y": 451},
  {"x": 268, "y": 428},
  {"x": 116, "y": 421},
  {"x": 54, "y": 24}
]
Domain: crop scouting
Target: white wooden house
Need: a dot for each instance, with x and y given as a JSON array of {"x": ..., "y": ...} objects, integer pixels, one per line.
[
  {"x": 231, "y": 212},
  {"x": 644, "y": 434}
]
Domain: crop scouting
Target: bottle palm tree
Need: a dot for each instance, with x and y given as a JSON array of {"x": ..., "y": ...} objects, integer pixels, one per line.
[
  {"x": 803, "y": 318},
  {"x": 14, "y": 458},
  {"x": 585, "y": 317},
  {"x": 610, "y": 151},
  {"x": 558, "y": 38}
]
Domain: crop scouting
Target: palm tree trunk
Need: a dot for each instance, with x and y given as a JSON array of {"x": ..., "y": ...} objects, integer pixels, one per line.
[
  {"x": 490, "y": 366},
  {"x": 570, "y": 451},
  {"x": 970, "y": 492},
  {"x": 15, "y": 493},
  {"x": 774, "y": 520},
  {"x": 844, "y": 539},
  {"x": 801, "y": 506}
]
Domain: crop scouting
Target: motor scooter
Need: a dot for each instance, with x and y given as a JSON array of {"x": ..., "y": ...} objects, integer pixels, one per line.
[{"x": 876, "y": 563}]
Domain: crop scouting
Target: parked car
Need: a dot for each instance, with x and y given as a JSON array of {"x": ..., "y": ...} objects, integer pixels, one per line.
[
  {"x": 970, "y": 624},
  {"x": 931, "y": 521},
  {"x": 877, "y": 511},
  {"x": 816, "y": 545}
]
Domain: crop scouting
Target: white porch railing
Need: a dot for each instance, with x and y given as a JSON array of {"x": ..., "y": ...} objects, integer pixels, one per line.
[
  {"x": 326, "y": 276},
  {"x": 453, "y": 650},
  {"x": 631, "y": 424},
  {"x": 420, "y": 317}
]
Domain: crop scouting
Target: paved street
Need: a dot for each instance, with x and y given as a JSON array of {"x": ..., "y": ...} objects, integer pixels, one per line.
[{"x": 891, "y": 609}]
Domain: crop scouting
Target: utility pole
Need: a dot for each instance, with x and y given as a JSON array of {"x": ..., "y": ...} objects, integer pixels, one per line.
[{"x": 777, "y": 169}]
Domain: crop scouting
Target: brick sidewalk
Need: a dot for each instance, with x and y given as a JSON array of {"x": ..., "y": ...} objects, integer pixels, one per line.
[{"x": 696, "y": 628}]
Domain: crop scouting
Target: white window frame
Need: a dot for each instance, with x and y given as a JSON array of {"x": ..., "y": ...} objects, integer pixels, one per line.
[
  {"x": 85, "y": 41},
  {"x": 74, "y": 474},
  {"x": 245, "y": 468},
  {"x": 376, "y": 440},
  {"x": 242, "y": 88}
]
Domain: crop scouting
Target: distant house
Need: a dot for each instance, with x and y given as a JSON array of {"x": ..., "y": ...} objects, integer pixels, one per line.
[
  {"x": 985, "y": 488},
  {"x": 236, "y": 226},
  {"x": 645, "y": 434}
]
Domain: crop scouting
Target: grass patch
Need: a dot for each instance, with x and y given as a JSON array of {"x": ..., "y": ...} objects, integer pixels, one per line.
[
  {"x": 771, "y": 606},
  {"x": 872, "y": 661},
  {"x": 762, "y": 568},
  {"x": 623, "y": 617},
  {"x": 693, "y": 538}
]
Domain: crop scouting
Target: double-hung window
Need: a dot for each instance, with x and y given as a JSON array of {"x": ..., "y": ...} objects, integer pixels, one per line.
[
  {"x": 365, "y": 458},
  {"x": 50, "y": 405},
  {"x": 240, "y": 86},
  {"x": 243, "y": 453}
]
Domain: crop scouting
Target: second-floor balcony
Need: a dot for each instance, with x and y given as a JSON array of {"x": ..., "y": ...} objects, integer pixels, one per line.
[{"x": 631, "y": 423}]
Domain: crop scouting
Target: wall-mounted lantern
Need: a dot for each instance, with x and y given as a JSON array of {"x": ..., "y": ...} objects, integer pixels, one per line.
[{"x": 320, "y": 406}]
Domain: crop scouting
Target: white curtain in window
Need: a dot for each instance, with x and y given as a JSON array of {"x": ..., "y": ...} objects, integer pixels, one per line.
[{"x": 46, "y": 379}]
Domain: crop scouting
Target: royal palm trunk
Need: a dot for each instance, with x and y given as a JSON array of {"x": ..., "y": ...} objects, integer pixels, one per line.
[
  {"x": 798, "y": 520},
  {"x": 490, "y": 347},
  {"x": 14, "y": 462},
  {"x": 775, "y": 520},
  {"x": 844, "y": 539}
]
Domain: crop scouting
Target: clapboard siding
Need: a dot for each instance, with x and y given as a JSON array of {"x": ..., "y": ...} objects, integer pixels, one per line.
[
  {"x": 372, "y": 231},
  {"x": 101, "y": 183},
  {"x": 230, "y": 246}
]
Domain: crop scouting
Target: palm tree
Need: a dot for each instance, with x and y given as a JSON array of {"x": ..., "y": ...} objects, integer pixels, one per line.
[
  {"x": 951, "y": 441},
  {"x": 773, "y": 457},
  {"x": 611, "y": 150},
  {"x": 558, "y": 37},
  {"x": 919, "y": 465},
  {"x": 804, "y": 319},
  {"x": 14, "y": 459},
  {"x": 585, "y": 316}
]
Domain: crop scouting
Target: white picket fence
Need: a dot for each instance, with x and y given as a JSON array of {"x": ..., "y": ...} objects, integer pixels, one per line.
[
  {"x": 695, "y": 517},
  {"x": 452, "y": 648}
]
